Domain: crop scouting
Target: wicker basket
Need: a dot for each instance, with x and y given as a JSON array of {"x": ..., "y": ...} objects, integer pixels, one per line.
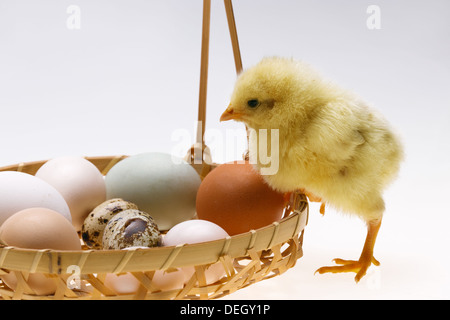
[{"x": 246, "y": 258}]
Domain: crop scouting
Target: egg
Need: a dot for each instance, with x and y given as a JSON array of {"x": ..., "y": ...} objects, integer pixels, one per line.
[
  {"x": 235, "y": 196},
  {"x": 80, "y": 183},
  {"x": 159, "y": 183},
  {"x": 169, "y": 279},
  {"x": 197, "y": 231},
  {"x": 126, "y": 283},
  {"x": 38, "y": 228},
  {"x": 96, "y": 221},
  {"x": 19, "y": 190},
  {"x": 131, "y": 228}
]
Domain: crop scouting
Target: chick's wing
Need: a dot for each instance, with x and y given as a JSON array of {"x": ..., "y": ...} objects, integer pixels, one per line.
[{"x": 335, "y": 133}]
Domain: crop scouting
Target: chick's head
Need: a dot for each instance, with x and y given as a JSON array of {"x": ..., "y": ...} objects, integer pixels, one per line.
[{"x": 269, "y": 92}]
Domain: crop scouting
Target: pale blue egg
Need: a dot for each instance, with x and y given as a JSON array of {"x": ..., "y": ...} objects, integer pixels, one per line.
[{"x": 160, "y": 184}]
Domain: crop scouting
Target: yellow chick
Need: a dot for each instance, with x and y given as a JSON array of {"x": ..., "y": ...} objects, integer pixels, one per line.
[{"x": 330, "y": 143}]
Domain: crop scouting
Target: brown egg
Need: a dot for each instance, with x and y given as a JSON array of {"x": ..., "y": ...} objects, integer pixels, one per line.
[
  {"x": 38, "y": 228},
  {"x": 235, "y": 197}
]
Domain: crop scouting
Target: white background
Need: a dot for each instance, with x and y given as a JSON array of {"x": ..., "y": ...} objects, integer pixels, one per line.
[{"x": 127, "y": 82}]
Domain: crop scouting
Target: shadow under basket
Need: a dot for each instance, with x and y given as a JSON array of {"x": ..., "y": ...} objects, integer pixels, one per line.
[{"x": 247, "y": 258}]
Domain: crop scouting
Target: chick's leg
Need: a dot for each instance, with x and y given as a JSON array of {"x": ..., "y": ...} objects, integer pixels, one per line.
[
  {"x": 313, "y": 198},
  {"x": 366, "y": 258}
]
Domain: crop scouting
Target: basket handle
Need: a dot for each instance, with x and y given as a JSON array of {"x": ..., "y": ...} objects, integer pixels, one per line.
[
  {"x": 236, "y": 52},
  {"x": 195, "y": 155},
  {"x": 234, "y": 36},
  {"x": 203, "y": 72}
]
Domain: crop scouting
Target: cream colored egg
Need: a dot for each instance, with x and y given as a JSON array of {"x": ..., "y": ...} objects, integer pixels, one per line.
[
  {"x": 80, "y": 183},
  {"x": 37, "y": 228},
  {"x": 19, "y": 190},
  {"x": 196, "y": 231},
  {"x": 36, "y": 284}
]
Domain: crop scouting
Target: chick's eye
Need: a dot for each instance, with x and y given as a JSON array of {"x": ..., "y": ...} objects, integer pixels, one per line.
[{"x": 253, "y": 103}]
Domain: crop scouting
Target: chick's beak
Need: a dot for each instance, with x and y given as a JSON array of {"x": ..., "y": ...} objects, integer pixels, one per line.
[{"x": 229, "y": 114}]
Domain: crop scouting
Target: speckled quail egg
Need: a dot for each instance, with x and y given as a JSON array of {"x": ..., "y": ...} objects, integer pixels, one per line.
[
  {"x": 96, "y": 221},
  {"x": 131, "y": 228}
]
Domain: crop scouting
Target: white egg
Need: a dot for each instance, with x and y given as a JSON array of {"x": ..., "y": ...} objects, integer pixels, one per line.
[
  {"x": 196, "y": 231},
  {"x": 126, "y": 283},
  {"x": 20, "y": 191},
  {"x": 169, "y": 280},
  {"x": 80, "y": 183},
  {"x": 213, "y": 273}
]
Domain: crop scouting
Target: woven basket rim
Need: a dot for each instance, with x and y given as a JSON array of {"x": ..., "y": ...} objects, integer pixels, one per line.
[{"x": 56, "y": 261}]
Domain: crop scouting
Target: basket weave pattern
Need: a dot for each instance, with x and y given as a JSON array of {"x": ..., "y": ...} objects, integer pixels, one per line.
[{"x": 247, "y": 258}]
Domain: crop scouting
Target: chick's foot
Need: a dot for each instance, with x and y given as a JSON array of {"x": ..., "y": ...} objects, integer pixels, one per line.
[
  {"x": 366, "y": 259},
  {"x": 358, "y": 266}
]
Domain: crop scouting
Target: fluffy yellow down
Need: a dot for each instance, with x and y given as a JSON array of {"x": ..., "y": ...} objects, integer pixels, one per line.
[{"x": 331, "y": 143}]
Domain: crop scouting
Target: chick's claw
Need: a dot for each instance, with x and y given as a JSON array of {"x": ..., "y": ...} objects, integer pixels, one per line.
[
  {"x": 359, "y": 267},
  {"x": 322, "y": 208}
]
